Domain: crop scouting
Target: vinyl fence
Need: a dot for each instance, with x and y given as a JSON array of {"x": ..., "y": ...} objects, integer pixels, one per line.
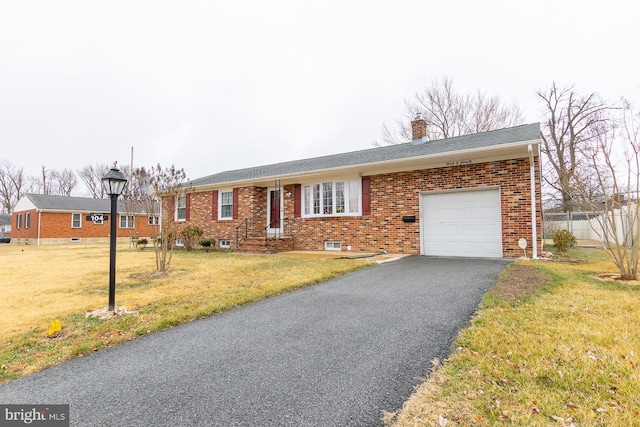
[{"x": 599, "y": 226}]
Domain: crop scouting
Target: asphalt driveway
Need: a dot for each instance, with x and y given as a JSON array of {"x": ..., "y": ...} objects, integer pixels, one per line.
[{"x": 334, "y": 354}]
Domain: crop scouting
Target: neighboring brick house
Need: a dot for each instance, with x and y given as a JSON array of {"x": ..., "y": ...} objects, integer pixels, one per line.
[
  {"x": 43, "y": 219},
  {"x": 474, "y": 195}
]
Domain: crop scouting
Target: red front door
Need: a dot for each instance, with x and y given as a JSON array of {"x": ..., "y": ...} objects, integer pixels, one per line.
[{"x": 274, "y": 211}]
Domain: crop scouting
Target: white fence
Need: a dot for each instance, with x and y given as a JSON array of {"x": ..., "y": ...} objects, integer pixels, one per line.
[{"x": 594, "y": 225}]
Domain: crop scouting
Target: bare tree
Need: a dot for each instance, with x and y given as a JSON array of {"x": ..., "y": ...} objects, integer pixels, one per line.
[
  {"x": 43, "y": 184},
  {"x": 13, "y": 185},
  {"x": 61, "y": 183},
  {"x": 157, "y": 189},
  {"x": 450, "y": 113},
  {"x": 91, "y": 176},
  {"x": 136, "y": 199},
  {"x": 64, "y": 182},
  {"x": 614, "y": 156},
  {"x": 572, "y": 121}
]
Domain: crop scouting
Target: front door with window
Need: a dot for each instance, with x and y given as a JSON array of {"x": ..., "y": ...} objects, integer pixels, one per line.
[{"x": 274, "y": 211}]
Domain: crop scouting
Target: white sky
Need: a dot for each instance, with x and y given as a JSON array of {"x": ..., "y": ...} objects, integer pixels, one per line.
[{"x": 218, "y": 85}]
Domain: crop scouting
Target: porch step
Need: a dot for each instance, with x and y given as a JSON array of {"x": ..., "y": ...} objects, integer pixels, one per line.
[{"x": 256, "y": 245}]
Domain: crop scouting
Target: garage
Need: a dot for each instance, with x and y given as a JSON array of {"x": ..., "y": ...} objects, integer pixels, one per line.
[{"x": 461, "y": 223}]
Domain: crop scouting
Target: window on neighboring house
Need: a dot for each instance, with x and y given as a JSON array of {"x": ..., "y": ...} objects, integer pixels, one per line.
[
  {"x": 76, "y": 220},
  {"x": 181, "y": 208},
  {"x": 126, "y": 221},
  {"x": 225, "y": 244},
  {"x": 332, "y": 198},
  {"x": 27, "y": 220},
  {"x": 19, "y": 221},
  {"x": 226, "y": 205},
  {"x": 153, "y": 220}
]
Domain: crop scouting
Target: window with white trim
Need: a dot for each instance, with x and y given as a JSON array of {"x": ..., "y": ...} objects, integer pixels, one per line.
[
  {"x": 126, "y": 221},
  {"x": 19, "y": 221},
  {"x": 332, "y": 198},
  {"x": 226, "y": 205},
  {"x": 27, "y": 220},
  {"x": 332, "y": 246},
  {"x": 76, "y": 220},
  {"x": 153, "y": 220},
  {"x": 225, "y": 244},
  {"x": 181, "y": 208}
]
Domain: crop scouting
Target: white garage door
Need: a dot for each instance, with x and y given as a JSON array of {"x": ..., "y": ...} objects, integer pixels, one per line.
[{"x": 463, "y": 223}]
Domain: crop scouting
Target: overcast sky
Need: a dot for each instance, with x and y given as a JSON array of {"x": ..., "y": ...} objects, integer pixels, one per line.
[{"x": 218, "y": 85}]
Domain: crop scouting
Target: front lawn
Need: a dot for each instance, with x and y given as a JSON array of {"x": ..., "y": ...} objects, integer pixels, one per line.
[
  {"x": 551, "y": 345},
  {"x": 41, "y": 284}
]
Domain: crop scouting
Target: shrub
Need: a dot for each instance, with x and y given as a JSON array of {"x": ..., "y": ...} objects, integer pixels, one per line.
[
  {"x": 207, "y": 244},
  {"x": 562, "y": 239},
  {"x": 142, "y": 243},
  {"x": 190, "y": 235}
]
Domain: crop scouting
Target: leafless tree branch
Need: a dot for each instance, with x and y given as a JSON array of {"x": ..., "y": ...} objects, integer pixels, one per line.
[{"x": 449, "y": 113}]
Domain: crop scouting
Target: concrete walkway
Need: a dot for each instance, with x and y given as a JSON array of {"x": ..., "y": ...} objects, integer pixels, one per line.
[{"x": 334, "y": 354}]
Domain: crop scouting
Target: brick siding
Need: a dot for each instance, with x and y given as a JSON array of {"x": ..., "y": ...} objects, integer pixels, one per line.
[{"x": 393, "y": 196}]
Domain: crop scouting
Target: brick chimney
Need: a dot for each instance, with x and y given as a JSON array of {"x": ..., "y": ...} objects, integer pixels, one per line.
[{"x": 418, "y": 130}]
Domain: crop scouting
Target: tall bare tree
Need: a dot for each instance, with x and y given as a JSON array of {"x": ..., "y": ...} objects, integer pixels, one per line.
[
  {"x": 614, "y": 157},
  {"x": 64, "y": 182},
  {"x": 91, "y": 176},
  {"x": 572, "y": 121},
  {"x": 450, "y": 113},
  {"x": 43, "y": 183},
  {"x": 13, "y": 185},
  {"x": 61, "y": 183}
]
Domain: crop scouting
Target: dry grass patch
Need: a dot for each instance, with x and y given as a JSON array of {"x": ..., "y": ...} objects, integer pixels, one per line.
[
  {"x": 41, "y": 284},
  {"x": 568, "y": 353}
]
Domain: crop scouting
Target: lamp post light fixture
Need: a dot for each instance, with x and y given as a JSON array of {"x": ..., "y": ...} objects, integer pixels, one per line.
[{"x": 113, "y": 183}]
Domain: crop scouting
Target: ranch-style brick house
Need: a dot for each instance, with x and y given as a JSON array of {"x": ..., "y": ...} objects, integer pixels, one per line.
[
  {"x": 45, "y": 219},
  {"x": 470, "y": 196}
]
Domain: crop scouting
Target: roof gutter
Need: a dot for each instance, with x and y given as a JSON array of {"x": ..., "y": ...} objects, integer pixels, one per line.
[
  {"x": 39, "y": 221},
  {"x": 532, "y": 179}
]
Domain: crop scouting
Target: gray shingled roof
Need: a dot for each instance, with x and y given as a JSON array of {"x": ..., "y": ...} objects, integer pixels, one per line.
[
  {"x": 76, "y": 204},
  {"x": 527, "y": 132},
  {"x": 5, "y": 219}
]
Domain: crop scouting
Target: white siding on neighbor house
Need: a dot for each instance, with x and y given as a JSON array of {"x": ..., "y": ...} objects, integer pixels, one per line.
[
  {"x": 461, "y": 223},
  {"x": 24, "y": 204}
]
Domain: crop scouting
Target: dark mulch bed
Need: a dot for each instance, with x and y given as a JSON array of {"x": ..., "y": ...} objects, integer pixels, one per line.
[{"x": 519, "y": 281}]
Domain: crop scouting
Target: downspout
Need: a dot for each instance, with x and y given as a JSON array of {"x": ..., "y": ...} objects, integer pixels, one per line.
[
  {"x": 534, "y": 231},
  {"x": 39, "y": 218}
]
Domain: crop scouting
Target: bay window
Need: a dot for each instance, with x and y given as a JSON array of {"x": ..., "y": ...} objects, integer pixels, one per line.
[{"x": 332, "y": 198}]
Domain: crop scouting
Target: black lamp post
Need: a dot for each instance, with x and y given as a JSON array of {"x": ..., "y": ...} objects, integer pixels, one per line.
[{"x": 113, "y": 183}]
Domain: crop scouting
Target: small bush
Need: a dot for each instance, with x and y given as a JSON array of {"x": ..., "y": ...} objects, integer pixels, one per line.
[
  {"x": 190, "y": 235},
  {"x": 142, "y": 243},
  {"x": 207, "y": 244},
  {"x": 562, "y": 239}
]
